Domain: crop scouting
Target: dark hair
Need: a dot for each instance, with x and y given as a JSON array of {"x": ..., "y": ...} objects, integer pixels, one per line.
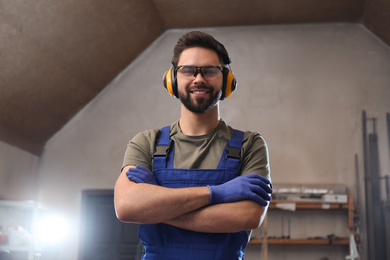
[{"x": 203, "y": 40}]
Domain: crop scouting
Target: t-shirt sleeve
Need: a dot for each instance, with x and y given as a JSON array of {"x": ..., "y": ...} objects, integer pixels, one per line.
[
  {"x": 256, "y": 157},
  {"x": 140, "y": 149}
]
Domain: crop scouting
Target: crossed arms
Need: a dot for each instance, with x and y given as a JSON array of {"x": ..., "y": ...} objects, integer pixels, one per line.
[{"x": 202, "y": 209}]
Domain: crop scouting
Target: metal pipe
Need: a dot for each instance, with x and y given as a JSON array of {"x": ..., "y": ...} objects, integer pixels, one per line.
[
  {"x": 377, "y": 206},
  {"x": 368, "y": 193},
  {"x": 388, "y": 128}
]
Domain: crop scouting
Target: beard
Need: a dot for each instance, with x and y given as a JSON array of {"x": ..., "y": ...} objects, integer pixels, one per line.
[{"x": 201, "y": 104}]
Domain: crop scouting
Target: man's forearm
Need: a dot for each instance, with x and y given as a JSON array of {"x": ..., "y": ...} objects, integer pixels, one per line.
[
  {"x": 222, "y": 218},
  {"x": 148, "y": 204}
]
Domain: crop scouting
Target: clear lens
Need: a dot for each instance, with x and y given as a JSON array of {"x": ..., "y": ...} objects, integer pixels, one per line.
[
  {"x": 187, "y": 71},
  {"x": 207, "y": 72},
  {"x": 210, "y": 71}
]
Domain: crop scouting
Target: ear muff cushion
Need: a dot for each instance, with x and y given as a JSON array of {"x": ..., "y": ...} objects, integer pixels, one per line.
[
  {"x": 170, "y": 82},
  {"x": 229, "y": 83}
]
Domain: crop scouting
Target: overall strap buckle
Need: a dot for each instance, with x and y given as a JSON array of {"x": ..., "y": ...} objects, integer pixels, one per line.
[
  {"x": 162, "y": 150},
  {"x": 232, "y": 152}
]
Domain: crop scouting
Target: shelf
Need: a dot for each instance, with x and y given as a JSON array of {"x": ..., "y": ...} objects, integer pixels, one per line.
[
  {"x": 318, "y": 205},
  {"x": 15, "y": 248},
  {"x": 309, "y": 204},
  {"x": 27, "y": 204},
  {"x": 302, "y": 241}
]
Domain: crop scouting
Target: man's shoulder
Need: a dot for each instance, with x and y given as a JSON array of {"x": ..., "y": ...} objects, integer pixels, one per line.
[
  {"x": 150, "y": 136},
  {"x": 248, "y": 134},
  {"x": 149, "y": 133}
]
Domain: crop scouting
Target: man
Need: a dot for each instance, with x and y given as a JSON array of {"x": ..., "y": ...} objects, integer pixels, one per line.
[{"x": 198, "y": 186}]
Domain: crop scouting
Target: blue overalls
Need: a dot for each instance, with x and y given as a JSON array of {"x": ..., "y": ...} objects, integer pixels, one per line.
[{"x": 162, "y": 241}]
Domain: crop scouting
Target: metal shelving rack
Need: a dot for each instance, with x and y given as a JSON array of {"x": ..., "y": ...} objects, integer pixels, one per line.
[
  {"x": 309, "y": 205},
  {"x": 12, "y": 213}
]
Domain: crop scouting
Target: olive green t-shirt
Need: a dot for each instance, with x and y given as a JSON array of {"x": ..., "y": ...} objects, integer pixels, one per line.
[{"x": 201, "y": 152}]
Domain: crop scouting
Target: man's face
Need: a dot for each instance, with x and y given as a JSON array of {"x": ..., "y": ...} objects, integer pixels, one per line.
[{"x": 198, "y": 94}]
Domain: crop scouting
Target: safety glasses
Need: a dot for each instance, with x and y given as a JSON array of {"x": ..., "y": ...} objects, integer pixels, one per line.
[{"x": 207, "y": 72}]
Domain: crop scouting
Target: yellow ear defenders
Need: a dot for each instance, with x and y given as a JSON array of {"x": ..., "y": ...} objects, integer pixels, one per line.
[
  {"x": 229, "y": 83},
  {"x": 169, "y": 81}
]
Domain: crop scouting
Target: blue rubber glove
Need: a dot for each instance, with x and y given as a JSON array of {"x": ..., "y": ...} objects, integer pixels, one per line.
[
  {"x": 248, "y": 187},
  {"x": 141, "y": 175}
]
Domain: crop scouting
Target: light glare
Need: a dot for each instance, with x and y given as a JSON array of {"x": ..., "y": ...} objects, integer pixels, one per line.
[{"x": 52, "y": 229}]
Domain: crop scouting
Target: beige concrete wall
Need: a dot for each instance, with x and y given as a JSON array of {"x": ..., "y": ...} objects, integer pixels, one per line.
[
  {"x": 303, "y": 87},
  {"x": 18, "y": 174}
]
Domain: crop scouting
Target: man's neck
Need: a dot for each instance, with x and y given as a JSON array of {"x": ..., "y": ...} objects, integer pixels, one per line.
[{"x": 195, "y": 124}]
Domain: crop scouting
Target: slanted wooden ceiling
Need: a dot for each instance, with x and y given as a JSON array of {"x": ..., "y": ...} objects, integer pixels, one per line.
[{"x": 55, "y": 56}]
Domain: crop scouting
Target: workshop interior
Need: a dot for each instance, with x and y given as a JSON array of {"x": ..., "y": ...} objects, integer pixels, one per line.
[{"x": 79, "y": 79}]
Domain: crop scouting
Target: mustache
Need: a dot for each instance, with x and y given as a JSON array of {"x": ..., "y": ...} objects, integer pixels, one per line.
[{"x": 193, "y": 88}]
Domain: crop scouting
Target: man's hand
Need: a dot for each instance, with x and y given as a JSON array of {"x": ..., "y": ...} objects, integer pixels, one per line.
[
  {"x": 141, "y": 175},
  {"x": 248, "y": 187}
]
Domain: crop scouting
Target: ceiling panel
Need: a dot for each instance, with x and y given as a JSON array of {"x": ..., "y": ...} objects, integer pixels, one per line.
[
  {"x": 206, "y": 13},
  {"x": 60, "y": 55},
  {"x": 377, "y": 18}
]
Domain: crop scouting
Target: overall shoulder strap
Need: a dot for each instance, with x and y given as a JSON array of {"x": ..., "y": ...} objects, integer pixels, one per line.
[
  {"x": 232, "y": 154},
  {"x": 163, "y": 141},
  {"x": 162, "y": 149},
  {"x": 234, "y": 145}
]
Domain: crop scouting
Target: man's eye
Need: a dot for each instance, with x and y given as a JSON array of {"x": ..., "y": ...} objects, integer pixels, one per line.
[
  {"x": 210, "y": 71},
  {"x": 187, "y": 70}
]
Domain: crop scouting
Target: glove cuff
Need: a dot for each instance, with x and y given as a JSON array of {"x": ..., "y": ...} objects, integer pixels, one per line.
[{"x": 211, "y": 194}]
